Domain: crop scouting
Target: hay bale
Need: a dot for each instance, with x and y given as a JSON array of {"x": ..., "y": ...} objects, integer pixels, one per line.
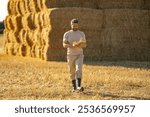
[
  {"x": 16, "y": 48},
  {"x": 121, "y": 33},
  {"x": 9, "y": 25},
  {"x": 42, "y": 5},
  {"x": 31, "y": 24},
  {"x": 46, "y": 20},
  {"x": 17, "y": 37},
  {"x": 30, "y": 21},
  {"x": 25, "y": 6},
  {"x": 89, "y": 20},
  {"x": 21, "y": 7},
  {"x": 29, "y": 37},
  {"x": 22, "y": 35},
  {"x": 127, "y": 18},
  {"x": 11, "y": 48},
  {"x": 37, "y": 5},
  {"x": 18, "y": 23},
  {"x": 124, "y": 44},
  {"x": 108, "y": 38},
  {"x": 111, "y": 4},
  {"x": 45, "y": 32},
  {"x": 12, "y": 7},
  {"x": 8, "y": 49},
  {"x": 95, "y": 4},
  {"x": 45, "y": 42},
  {"x": 43, "y": 20},
  {"x": 25, "y": 43},
  {"x": 146, "y": 4},
  {"x": 23, "y": 50},
  {"x": 70, "y": 3},
  {"x": 6, "y": 40},
  {"x": 6, "y": 24},
  {"x": 11, "y": 37},
  {"x": 13, "y": 23},
  {"x": 30, "y": 6}
]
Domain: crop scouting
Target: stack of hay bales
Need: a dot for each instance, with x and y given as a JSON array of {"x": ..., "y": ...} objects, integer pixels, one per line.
[
  {"x": 26, "y": 24},
  {"x": 115, "y": 29}
]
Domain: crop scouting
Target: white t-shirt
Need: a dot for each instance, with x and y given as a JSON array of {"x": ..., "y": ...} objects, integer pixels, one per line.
[{"x": 71, "y": 37}]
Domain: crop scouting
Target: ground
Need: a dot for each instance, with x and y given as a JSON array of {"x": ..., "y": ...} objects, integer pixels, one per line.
[{"x": 30, "y": 78}]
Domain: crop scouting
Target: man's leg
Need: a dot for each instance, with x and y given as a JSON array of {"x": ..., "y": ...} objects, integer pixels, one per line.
[
  {"x": 71, "y": 65},
  {"x": 79, "y": 64}
]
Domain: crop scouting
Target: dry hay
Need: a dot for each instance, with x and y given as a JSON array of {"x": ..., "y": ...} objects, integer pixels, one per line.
[
  {"x": 147, "y": 4},
  {"x": 112, "y": 34},
  {"x": 22, "y": 7},
  {"x": 28, "y": 6},
  {"x": 108, "y": 38},
  {"x": 99, "y": 4},
  {"x": 13, "y": 23},
  {"x": 127, "y": 18},
  {"x": 95, "y": 4}
]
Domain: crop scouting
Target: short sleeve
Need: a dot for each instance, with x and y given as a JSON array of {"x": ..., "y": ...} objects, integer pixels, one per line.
[
  {"x": 83, "y": 36},
  {"x": 65, "y": 38}
]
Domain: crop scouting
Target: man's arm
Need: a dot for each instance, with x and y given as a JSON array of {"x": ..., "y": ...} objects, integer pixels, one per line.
[
  {"x": 82, "y": 45},
  {"x": 67, "y": 45}
]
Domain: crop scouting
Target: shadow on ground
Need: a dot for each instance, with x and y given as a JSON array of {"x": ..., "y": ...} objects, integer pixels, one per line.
[
  {"x": 122, "y": 97},
  {"x": 127, "y": 64},
  {"x": 114, "y": 96}
]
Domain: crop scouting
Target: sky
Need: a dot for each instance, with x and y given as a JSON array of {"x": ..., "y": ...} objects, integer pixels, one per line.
[{"x": 3, "y": 9}]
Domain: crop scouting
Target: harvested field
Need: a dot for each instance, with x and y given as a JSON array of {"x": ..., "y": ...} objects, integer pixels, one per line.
[
  {"x": 115, "y": 30},
  {"x": 28, "y": 78}
]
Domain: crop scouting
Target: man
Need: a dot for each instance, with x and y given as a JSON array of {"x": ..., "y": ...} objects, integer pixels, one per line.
[{"x": 74, "y": 40}]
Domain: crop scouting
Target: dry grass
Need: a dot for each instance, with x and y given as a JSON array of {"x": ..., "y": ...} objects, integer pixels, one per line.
[
  {"x": 30, "y": 78},
  {"x": 27, "y": 78}
]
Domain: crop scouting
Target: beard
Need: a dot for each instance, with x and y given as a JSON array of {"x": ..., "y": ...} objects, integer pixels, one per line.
[{"x": 74, "y": 29}]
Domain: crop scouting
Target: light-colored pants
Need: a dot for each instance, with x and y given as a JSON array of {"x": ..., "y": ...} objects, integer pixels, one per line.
[{"x": 75, "y": 63}]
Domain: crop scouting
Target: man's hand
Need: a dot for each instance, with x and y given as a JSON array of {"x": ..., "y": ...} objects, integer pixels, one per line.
[
  {"x": 68, "y": 46},
  {"x": 76, "y": 45},
  {"x": 81, "y": 45}
]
